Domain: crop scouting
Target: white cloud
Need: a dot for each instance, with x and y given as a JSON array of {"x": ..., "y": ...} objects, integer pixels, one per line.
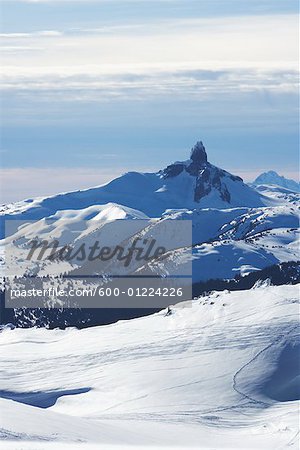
[
  {"x": 49, "y": 33},
  {"x": 254, "y": 53},
  {"x": 150, "y": 82},
  {"x": 46, "y": 33},
  {"x": 241, "y": 41}
]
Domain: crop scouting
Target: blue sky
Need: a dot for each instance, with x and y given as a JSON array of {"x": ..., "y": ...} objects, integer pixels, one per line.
[{"x": 91, "y": 89}]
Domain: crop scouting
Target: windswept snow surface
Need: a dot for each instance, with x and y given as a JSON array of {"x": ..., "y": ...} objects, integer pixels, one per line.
[{"x": 218, "y": 372}]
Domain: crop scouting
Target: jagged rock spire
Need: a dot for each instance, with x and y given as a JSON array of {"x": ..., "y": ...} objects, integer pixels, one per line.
[{"x": 198, "y": 153}]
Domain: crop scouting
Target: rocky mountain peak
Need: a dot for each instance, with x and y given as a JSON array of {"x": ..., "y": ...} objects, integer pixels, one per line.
[
  {"x": 208, "y": 178},
  {"x": 198, "y": 153}
]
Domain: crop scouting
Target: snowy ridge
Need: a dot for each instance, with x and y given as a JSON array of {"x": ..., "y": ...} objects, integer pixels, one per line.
[
  {"x": 234, "y": 242},
  {"x": 226, "y": 243}
]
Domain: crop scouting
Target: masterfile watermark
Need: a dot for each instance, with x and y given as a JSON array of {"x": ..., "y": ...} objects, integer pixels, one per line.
[
  {"x": 97, "y": 264},
  {"x": 140, "y": 250}
]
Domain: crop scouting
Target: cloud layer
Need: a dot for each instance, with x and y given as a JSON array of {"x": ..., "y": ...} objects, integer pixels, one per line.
[{"x": 180, "y": 56}]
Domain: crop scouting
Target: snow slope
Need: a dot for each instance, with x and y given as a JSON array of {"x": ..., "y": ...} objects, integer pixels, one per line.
[
  {"x": 225, "y": 259},
  {"x": 218, "y": 372},
  {"x": 235, "y": 223},
  {"x": 278, "y": 193},
  {"x": 257, "y": 220},
  {"x": 231, "y": 242}
]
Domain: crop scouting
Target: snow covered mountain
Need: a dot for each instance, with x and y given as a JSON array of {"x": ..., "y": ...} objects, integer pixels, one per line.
[
  {"x": 237, "y": 231},
  {"x": 190, "y": 184},
  {"x": 273, "y": 178},
  {"x": 218, "y": 372}
]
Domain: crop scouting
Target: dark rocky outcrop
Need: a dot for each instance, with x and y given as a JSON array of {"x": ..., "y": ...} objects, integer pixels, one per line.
[{"x": 208, "y": 177}]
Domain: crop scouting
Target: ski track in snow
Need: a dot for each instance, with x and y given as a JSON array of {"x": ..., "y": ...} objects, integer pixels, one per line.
[{"x": 236, "y": 375}]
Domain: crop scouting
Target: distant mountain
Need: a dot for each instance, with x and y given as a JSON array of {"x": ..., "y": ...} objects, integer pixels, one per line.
[
  {"x": 273, "y": 178},
  {"x": 190, "y": 184}
]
